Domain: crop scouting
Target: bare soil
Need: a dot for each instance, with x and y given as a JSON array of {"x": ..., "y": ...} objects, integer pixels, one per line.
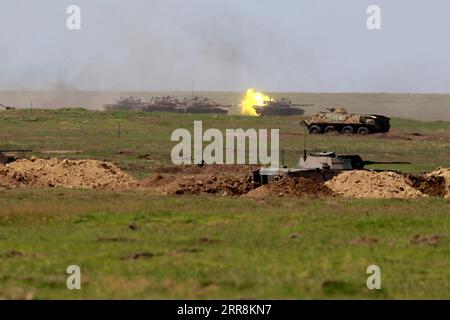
[
  {"x": 444, "y": 173},
  {"x": 370, "y": 184},
  {"x": 91, "y": 174},
  {"x": 433, "y": 240},
  {"x": 365, "y": 240},
  {"x": 199, "y": 184},
  {"x": 292, "y": 187},
  {"x": 432, "y": 185},
  {"x": 222, "y": 180}
]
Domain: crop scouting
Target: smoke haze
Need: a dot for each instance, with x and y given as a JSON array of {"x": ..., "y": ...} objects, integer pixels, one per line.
[{"x": 225, "y": 45}]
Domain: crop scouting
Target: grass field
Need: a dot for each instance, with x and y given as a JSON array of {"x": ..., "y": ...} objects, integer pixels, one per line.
[
  {"x": 411, "y": 106},
  {"x": 144, "y": 141},
  {"x": 137, "y": 245}
]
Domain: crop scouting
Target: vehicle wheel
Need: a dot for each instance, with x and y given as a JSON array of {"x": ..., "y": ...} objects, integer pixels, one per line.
[
  {"x": 347, "y": 130},
  {"x": 363, "y": 131},
  {"x": 330, "y": 129},
  {"x": 315, "y": 130}
]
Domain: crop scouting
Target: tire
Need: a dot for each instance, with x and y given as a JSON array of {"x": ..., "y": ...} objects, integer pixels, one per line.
[
  {"x": 363, "y": 131},
  {"x": 315, "y": 130},
  {"x": 348, "y": 130},
  {"x": 330, "y": 129}
]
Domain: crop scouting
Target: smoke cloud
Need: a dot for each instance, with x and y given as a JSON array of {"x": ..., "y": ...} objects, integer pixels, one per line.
[{"x": 225, "y": 45}]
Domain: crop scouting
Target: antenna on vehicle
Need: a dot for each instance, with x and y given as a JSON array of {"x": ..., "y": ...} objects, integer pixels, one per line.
[{"x": 304, "y": 143}]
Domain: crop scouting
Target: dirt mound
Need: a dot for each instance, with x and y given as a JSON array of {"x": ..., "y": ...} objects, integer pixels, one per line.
[
  {"x": 207, "y": 169},
  {"x": 54, "y": 172},
  {"x": 371, "y": 184},
  {"x": 444, "y": 173},
  {"x": 11, "y": 179},
  {"x": 234, "y": 185},
  {"x": 296, "y": 187},
  {"x": 235, "y": 180},
  {"x": 218, "y": 179},
  {"x": 199, "y": 184},
  {"x": 155, "y": 181},
  {"x": 428, "y": 184}
]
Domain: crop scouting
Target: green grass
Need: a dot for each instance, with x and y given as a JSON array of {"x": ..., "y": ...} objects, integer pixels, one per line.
[
  {"x": 214, "y": 247},
  {"x": 144, "y": 141},
  {"x": 208, "y": 247}
]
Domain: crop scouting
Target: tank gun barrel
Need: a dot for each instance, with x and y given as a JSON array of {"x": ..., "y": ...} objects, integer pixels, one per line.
[{"x": 368, "y": 162}]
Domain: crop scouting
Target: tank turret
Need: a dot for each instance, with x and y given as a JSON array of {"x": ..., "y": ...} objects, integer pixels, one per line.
[
  {"x": 322, "y": 164},
  {"x": 128, "y": 103},
  {"x": 162, "y": 104},
  {"x": 201, "y": 105},
  {"x": 333, "y": 161},
  {"x": 281, "y": 107}
]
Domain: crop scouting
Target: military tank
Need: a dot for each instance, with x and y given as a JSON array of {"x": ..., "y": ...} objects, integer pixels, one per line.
[
  {"x": 128, "y": 103},
  {"x": 339, "y": 120},
  {"x": 324, "y": 165},
  {"x": 201, "y": 105},
  {"x": 281, "y": 107},
  {"x": 8, "y": 156},
  {"x": 162, "y": 104},
  {"x": 7, "y": 107}
]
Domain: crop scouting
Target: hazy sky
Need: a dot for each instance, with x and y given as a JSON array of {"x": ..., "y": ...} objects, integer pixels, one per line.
[{"x": 283, "y": 45}]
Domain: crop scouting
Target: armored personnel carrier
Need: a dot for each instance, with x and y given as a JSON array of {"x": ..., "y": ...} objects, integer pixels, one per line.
[
  {"x": 339, "y": 120},
  {"x": 282, "y": 107},
  {"x": 201, "y": 105},
  {"x": 323, "y": 164},
  {"x": 130, "y": 103}
]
